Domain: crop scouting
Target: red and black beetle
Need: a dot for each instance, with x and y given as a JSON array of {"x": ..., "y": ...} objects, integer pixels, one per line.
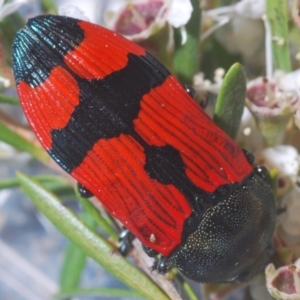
[{"x": 116, "y": 120}]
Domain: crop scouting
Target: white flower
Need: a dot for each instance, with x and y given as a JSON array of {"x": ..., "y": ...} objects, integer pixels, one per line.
[
  {"x": 253, "y": 9},
  {"x": 284, "y": 158},
  {"x": 201, "y": 84},
  {"x": 180, "y": 12},
  {"x": 72, "y": 11},
  {"x": 4, "y": 82},
  {"x": 243, "y": 32},
  {"x": 248, "y": 135},
  {"x": 284, "y": 283},
  {"x": 289, "y": 219},
  {"x": 245, "y": 9},
  {"x": 245, "y": 36},
  {"x": 277, "y": 96},
  {"x": 8, "y": 8},
  {"x": 88, "y": 10},
  {"x": 136, "y": 19},
  {"x": 291, "y": 81}
]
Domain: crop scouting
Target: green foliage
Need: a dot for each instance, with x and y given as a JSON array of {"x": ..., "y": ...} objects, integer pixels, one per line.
[
  {"x": 187, "y": 55},
  {"x": 9, "y": 100},
  {"x": 14, "y": 139},
  {"x": 277, "y": 17},
  {"x": 85, "y": 238},
  {"x": 231, "y": 100}
]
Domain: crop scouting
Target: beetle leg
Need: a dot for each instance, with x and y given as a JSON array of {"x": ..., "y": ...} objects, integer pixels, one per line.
[
  {"x": 83, "y": 191},
  {"x": 162, "y": 265},
  {"x": 125, "y": 239}
]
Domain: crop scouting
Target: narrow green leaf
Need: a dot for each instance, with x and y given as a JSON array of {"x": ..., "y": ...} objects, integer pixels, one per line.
[
  {"x": 72, "y": 268},
  {"x": 186, "y": 286},
  {"x": 102, "y": 222},
  {"x": 9, "y": 100},
  {"x": 277, "y": 17},
  {"x": 8, "y": 183},
  {"x": 49, "y": 181},
  {"x": 104, "y": 292},
  {"x": 75, "y": 260},
  {"x": 189, "y": 291},
  {"x": 231, "y": 99},
  {"x": 12, "y": 138},
  {"x": 274, "y": 181},
  {"x": 61, "y": 188},
  {"x": 187, "y": 55},
  {"x": 88, "y": 240}
]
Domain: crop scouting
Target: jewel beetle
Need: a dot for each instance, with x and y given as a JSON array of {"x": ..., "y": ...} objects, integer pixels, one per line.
[{"x": 117, "y": 121}]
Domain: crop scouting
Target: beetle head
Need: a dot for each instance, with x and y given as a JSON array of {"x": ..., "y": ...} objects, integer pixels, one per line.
[{"x": 233, "y": 240}]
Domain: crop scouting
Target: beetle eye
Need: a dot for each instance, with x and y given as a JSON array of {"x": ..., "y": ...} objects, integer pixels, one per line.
[{"x": 263, "y": 173}]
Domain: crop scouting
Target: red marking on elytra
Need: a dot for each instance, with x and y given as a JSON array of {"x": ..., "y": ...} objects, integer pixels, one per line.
[
  {"x": 100, "y": 53},
  {"x": 168, "y": 116},
  {"x": 114, "y": 171},
  {"x": 49, "y": 105}
]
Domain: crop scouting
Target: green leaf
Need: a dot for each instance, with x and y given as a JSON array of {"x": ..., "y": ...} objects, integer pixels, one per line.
[
  {"x": 89, "y": 241},
  {"x": 187, "y": 55},
  {"x": 72, "y": 267},
  {"x": 273, "y": 173},
  {"x": 58, "y": 185},
  {"x": 231, "y": 99},
  {"x": 75, "y": 260},
  {"x": 189, "y": 291},
  {"x": 12, "y": 138},
  {"x": 9, "y": 100},
  {"x": 49, "y": 181},
  {"x": 95, "y": 213},
  {"x": 104, "y": 292},
  {"x": 278, "y": 20},
  {"x": 8, "y": 183},
  {"x": 186, "y": 286}
]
